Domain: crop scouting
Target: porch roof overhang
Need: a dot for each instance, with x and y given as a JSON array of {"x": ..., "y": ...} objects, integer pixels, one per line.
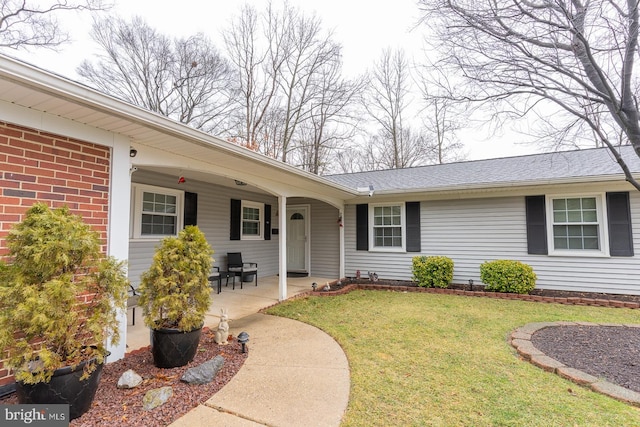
[{"x": 162, "y": 143}]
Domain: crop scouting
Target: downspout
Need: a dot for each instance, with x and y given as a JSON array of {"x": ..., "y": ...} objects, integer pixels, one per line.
[{"x": 342, "y": 250}]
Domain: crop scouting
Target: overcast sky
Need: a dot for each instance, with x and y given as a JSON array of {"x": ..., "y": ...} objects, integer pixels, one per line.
[{"x": 363, "y": 27}]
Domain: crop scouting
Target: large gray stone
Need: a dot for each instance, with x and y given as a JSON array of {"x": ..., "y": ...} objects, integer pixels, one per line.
[
  {"x": 129, "y": 379},
  {"x": 156, "y": 397},
  {"x": 204, "y": 373}
]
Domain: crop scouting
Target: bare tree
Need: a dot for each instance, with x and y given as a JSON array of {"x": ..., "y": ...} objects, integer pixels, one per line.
[
  {"x": 26, "y": 24},
  {"x": 185, "y": 79},
  {"x": 442, "y": 116},
  {"x": 578, "y": 55},
  {"x": 386, "y": 102},
  {"x": 279, "y": 56},
  {"x": 301, "y": 76},
  {"x": 256, "y": 64},
  {"x": 332, "y": 120}
]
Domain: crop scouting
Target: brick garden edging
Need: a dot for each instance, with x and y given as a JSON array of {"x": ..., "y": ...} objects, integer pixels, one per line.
[
  {"x": 599, "y": 302},
  {"x": 520, "y": 339}
]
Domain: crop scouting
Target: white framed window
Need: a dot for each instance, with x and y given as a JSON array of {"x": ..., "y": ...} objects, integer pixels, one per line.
[
  {"x": 252, "y": 220},
  {"x": 387, "y": 227},
  {"x": 157, "y": 211},
  {"x": 577, "y": 225}
]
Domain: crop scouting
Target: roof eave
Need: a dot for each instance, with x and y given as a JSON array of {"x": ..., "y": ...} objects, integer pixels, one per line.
[
  {"x": 58, "y": 86},
  {"x": 484, "y": 187}
]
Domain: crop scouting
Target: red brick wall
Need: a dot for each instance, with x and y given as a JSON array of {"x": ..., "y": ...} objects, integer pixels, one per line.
[{"x": 41, "y": 167}]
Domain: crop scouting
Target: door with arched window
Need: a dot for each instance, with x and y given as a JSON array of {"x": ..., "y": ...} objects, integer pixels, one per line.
[{"x": 298, "y": 239}]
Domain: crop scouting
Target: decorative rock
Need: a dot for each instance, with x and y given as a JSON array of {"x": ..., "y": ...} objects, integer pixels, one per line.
[
  {"x": 204, "y": 373},
  {"x": 129, "y": 379},
  {"x": 156, "y": 397}
]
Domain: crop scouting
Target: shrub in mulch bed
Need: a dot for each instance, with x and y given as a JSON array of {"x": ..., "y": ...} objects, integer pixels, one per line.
[{"x": 339, "y": 287}]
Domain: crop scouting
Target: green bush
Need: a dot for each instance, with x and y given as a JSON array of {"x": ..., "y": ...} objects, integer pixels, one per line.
[
  {"x": 56, "y": 263},
  {"x": 507, "y": 276},
  {"x": 174, "y": 291},
  {"x": 433, "y": 271}
]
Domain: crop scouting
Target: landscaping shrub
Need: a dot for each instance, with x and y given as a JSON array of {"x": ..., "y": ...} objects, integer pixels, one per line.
[
  {"x": 433, "y": 271},
  {"x": 507, "y": 276}
]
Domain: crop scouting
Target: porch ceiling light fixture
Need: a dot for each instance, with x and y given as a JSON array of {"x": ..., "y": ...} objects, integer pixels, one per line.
[
  {"x": 238, "y": 182},
  {"x": 133, "y": 152}
]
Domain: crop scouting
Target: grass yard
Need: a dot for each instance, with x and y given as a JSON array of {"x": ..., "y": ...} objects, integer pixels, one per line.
[{"x": 420, "y": 359}]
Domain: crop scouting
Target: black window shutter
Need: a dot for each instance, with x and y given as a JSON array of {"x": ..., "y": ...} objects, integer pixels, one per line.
[
  {"x": 190, "y": 209},
  {"x": 620, "y": 232},
  {"x": 235, "y": 221},
  {"x": 536, "y": 225},
  {"x": 267, "y": 222},
  {"x": 362, "y": 227},
  {"x": 412, "y": 212}
]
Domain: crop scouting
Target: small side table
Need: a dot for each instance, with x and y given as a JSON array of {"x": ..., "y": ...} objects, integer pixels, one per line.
[{"x": 220, "y": 275}]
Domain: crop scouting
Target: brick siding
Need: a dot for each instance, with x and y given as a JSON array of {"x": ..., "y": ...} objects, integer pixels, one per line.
[{"x": 38, "y": 166}]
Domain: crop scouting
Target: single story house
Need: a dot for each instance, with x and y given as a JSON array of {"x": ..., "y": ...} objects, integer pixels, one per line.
[{"x": 137, "y": 176}]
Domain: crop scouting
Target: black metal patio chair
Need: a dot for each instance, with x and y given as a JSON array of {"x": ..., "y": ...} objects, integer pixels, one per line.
[{"x": 248, "y": 271}]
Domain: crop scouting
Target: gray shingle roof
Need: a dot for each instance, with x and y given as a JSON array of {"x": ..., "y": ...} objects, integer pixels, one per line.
[{"x": 564, "y": 166}]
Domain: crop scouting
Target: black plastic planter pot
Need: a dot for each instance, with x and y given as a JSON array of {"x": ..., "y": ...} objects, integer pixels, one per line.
[
  {"x": 172, "y": 347},
  {"x": 65, "y": 387}
]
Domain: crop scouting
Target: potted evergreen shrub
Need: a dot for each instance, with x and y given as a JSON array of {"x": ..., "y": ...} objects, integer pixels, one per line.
[
  {"x": 175, "y": 295},
  {"x": 59, "y": 296}
]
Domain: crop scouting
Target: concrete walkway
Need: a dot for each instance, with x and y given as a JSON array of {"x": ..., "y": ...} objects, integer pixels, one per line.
[{"x": 295, "y": 375}]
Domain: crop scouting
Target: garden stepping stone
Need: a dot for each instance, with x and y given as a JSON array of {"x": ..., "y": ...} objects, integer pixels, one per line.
[
  {"x": 204, "y": 373},
  {"x": 129, "y": 379},
  {"x": 156, "y": 397}
]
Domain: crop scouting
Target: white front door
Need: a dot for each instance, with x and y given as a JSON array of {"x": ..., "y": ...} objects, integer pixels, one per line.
[{"x": 298, "y": 238}]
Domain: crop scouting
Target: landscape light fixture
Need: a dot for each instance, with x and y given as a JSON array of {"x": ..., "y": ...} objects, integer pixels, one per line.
[{"x": 243, "y": 338}]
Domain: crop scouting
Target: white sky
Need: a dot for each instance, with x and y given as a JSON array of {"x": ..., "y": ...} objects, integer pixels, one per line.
[{"x": 363, "y": 27}]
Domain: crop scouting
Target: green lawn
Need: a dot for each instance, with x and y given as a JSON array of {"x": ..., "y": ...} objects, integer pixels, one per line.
[{"x": 422, "y": 359}]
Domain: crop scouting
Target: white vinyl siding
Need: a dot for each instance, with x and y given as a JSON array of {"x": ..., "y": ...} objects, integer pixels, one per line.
[
  {"x": 473, "y": 231},
  {"x": 214, "y": 221}
]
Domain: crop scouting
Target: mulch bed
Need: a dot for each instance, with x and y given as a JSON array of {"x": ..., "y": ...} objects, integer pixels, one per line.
[
  {"x": 607, "y": 352},
  {"x": 545, "y": 295},
  {"x": 113, "y": 406}
]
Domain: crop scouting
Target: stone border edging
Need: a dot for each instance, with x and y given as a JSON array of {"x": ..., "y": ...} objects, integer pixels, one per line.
[
  {"x": 500, "y": 295},
  {"x": 520, "y": 339}
]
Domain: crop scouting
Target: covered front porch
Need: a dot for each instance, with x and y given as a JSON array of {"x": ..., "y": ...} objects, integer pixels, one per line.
[{"x": 238, "y": 302}]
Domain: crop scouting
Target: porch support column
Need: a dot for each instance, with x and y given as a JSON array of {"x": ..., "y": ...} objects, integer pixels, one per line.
[
  {"x": 117, "y": 242},
  {"x": 282, "y": 245},
  {"x": 342, "y": 254}
]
